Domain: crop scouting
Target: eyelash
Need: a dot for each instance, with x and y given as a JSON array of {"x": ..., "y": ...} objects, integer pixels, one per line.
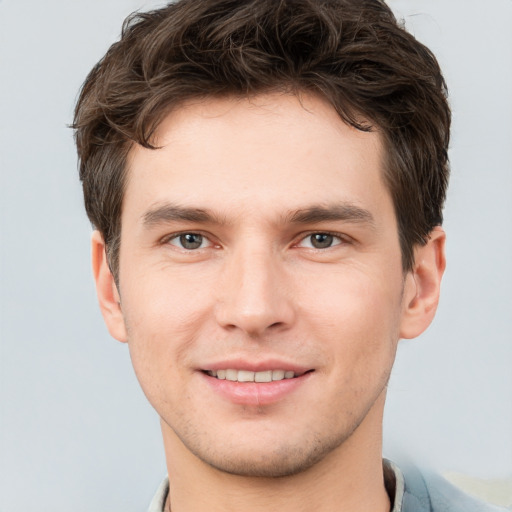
[
  {"x": 176, "y": 236},
  {"x": 341, "y": 239}
]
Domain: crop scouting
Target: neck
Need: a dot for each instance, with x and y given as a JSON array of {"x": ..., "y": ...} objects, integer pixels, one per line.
[{"x": 349, "y": 478}]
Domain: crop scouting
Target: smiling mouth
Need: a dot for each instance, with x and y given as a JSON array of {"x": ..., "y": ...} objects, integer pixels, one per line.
[{"x": 249, "y": 376}]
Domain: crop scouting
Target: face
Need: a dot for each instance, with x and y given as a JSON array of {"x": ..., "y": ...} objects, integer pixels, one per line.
[{"x": 261, "y": 285}]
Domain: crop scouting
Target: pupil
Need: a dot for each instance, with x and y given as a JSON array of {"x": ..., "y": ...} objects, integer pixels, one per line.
[
  {"x": 191, "y": 241},
  {"x": 321, "y": 240}
]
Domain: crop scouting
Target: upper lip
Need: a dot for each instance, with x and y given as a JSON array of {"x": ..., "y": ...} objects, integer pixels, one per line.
[{"x": 256, "y": 366}]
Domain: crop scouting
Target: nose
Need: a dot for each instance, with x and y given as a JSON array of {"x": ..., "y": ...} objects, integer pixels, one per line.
[{"x": 254, "y": 293}]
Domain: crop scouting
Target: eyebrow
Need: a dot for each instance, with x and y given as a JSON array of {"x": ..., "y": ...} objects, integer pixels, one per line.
[
  {"x": 347, "y": 212},
  {"x": 171, "y": 212}
]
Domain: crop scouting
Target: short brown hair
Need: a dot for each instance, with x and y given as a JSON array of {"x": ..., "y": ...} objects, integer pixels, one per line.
[{"x": 353, "y": 53}]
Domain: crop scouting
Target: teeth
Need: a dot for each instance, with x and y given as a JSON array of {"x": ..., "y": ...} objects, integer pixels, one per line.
[
  {"x": 245, "y": 376},
  {"x": 278, "y": 374},
  {"x": 263, "y": 376},
  {"x": 231, "y": 375},
  {"x": 248, "y": 376}
]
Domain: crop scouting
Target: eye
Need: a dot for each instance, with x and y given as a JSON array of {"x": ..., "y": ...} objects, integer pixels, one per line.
[
  {"x": 189, "y": 241},
  {"x": 320, "y": 241}
]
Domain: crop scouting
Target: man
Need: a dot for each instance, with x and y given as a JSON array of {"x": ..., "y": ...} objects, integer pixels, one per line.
[{"x": 266, "y": 179}]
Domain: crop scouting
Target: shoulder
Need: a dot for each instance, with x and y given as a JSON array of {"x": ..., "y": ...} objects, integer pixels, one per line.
[{"x": 429, "y": 492}]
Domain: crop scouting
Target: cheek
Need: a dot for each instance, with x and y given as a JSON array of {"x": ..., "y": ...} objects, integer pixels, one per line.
[
  {"x": 163, "y": 320},
  {"x": 359, "y": 315},
  {"x": 351, "y": 297},
  {"x": 163, "y": 299}
]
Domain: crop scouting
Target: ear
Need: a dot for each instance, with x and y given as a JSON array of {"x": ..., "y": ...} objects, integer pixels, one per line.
[
  {"x": 106, "y": 289},
  {"x": 422, "y": 285}
]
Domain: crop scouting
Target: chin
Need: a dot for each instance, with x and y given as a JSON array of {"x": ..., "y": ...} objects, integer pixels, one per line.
[{"x": 277, "y": 463}]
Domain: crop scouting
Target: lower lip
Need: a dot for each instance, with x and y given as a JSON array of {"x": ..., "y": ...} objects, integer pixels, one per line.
[{"x": 255, "y": 393}]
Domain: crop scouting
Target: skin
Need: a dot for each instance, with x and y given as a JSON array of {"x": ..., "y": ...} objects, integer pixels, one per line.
[{"x": 261, "y": 181}]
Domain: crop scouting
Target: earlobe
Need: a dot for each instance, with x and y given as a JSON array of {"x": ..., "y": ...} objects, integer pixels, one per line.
[
  {"x": 106, "y": 289},
  {"x": 422, "y": 285}
]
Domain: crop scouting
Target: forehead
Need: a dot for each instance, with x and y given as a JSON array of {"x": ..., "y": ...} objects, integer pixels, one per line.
[{"x": 266, "y": 152}]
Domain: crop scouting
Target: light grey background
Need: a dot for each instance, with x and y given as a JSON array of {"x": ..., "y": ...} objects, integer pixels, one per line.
[{"x": 76, "y": 432}]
